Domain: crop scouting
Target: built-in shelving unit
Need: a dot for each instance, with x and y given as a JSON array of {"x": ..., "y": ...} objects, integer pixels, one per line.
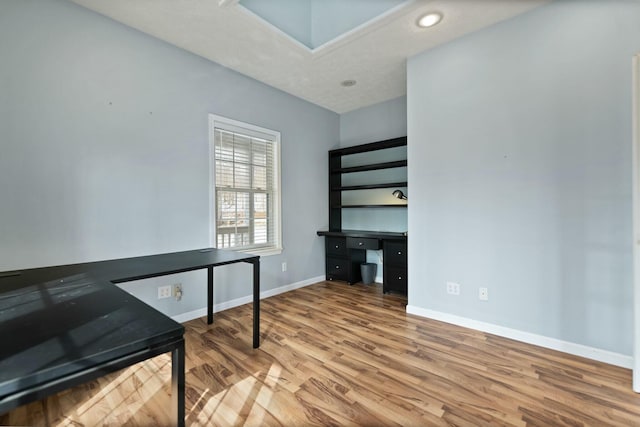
[
  {"x": 337, "y": 171},
  {"x": 377, "y": 169}
]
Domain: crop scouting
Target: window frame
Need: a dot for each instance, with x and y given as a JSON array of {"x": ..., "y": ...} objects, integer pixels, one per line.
[{"x": 220, "y": 122}]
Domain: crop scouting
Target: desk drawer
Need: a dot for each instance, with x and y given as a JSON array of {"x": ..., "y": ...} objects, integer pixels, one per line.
[
  {"x": 362, "y": 243},
  {"x": 336, "y": 245},
  {"x": 395, "y": 253},
  {"x": 395, "y": 280},
  {"x": 337, "y": 269}
]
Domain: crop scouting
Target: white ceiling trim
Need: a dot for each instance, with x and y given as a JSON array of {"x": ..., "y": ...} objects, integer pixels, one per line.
[{"x": 344, "y": 38}]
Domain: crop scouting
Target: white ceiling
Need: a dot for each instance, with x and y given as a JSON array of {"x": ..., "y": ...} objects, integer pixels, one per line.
[{"x": 373, "y": 54}]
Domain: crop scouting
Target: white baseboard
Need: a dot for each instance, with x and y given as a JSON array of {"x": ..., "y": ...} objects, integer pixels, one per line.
[
  {"x": 604, "y": 356},
  {"x": 185, "y": 317}
]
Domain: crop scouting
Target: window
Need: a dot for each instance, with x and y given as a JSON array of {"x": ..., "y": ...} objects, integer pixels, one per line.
[{"x": 245, "y": 186}]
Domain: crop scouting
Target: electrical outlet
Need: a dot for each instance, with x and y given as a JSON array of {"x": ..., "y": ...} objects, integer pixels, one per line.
[
  {"x": 453, "y": 288},
  {"x": 284, "y": 266},
  {"x": 483, "y": 294},
  {"x": 177, "y": 291},
  {"x": 164, "y": 292}
]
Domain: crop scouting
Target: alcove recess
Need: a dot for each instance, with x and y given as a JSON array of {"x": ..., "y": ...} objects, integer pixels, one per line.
[{"x": 363, "y": 178}]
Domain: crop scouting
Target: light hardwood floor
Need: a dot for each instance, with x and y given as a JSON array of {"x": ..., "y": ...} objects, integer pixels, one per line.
[{"x": 333, "y": 354}]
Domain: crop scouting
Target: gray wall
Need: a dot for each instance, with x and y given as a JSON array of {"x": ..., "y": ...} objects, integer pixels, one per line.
[
  {"x": 378, "y": 122},
  {"x": 520, "y": 173},
  {"x": 104, "y": 142}
]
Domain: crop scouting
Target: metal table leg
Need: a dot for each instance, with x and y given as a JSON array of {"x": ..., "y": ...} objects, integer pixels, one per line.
[
  {"x": 210, "y": 295},
  {"x": 177, "y": 383},
  {"x": 256, "y": 303}
]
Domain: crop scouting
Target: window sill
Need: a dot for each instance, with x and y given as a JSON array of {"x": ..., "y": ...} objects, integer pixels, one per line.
[{"x": 262, "y": 252}]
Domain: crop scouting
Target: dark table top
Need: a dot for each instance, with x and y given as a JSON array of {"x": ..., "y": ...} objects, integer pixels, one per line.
[
  {"x": 58, "y": 320},
  {"x": 391, "y": 235},
  {"x": 55, "y": 328},
  {"x": 127, "y": 269}
]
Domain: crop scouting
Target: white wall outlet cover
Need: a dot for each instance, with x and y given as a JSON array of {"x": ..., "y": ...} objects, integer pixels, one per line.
[
  {"x": 164, "y": 292},
  {"x": 453, "y": 288}
]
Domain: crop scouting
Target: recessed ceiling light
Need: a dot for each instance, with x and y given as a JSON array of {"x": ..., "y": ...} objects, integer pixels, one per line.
[
  {"x": 348, "y": 83},
  {"x": 429, "y": 19}
]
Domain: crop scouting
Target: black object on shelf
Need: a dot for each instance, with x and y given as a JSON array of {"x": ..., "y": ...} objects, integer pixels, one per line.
[{"x": 399, "y": 194}]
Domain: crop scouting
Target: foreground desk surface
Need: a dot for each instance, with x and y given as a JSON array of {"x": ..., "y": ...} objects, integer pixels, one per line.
[{"x": 61, "y": 326}]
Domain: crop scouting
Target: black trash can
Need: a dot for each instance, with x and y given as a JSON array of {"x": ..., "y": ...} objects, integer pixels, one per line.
[{"x": 368, "y": 271}]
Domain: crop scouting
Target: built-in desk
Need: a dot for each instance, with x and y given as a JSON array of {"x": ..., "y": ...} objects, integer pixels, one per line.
[{"x": 345, "y": 250}]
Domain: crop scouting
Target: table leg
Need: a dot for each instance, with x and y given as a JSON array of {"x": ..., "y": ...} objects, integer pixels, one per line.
[
  {"x": 177, "y": 383},
  {"x": 256, "y": 303},
  {"x": 210, "y": 295}
]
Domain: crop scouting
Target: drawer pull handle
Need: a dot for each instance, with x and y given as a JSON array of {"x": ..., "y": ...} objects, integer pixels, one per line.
[
  {"x": 399, "y": 253},
  {"x": 399, "y": 277},
  {"x": 337, "y": 246},
  {"x": 360, "y": 243},
  {"x": 337, "y": 267}
]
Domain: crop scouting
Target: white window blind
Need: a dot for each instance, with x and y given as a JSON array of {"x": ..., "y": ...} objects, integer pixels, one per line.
[{"x": 246, "y": 187}]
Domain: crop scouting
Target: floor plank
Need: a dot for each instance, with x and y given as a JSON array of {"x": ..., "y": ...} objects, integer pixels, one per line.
[{"x": 339, "y": 355}]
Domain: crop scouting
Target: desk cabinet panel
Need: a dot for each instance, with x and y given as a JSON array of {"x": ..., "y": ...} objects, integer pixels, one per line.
[
  {"x": 396, "y": 253},
  {"x": 337, "y": 269},
  {"x": 395, "y": 267},
  {"x": 343, "y": 263},
  {"x": 395, "y": 280}
]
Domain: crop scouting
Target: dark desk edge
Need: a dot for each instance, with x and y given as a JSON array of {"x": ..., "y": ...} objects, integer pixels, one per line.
[
  {"x": 251, "y": 259},
  {"x": 387, "y": 235},
  {"x": 90, "y": 267}
]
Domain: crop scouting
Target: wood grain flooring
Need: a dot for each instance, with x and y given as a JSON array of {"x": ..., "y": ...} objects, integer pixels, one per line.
[{"x": 334, "y": 355}]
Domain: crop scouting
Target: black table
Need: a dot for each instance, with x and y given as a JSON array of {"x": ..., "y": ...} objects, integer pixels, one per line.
[{"x": 64, "y": 325}]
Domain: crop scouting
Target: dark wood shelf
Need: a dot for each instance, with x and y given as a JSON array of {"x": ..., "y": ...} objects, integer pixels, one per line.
[
  {"x": 372, "y": 146},
  {"x": 370, "y": 186},
  {"x": 371, "y": 167},
  {"x": 364, "y": 233},
  {"x": 371, "y": 206}
]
